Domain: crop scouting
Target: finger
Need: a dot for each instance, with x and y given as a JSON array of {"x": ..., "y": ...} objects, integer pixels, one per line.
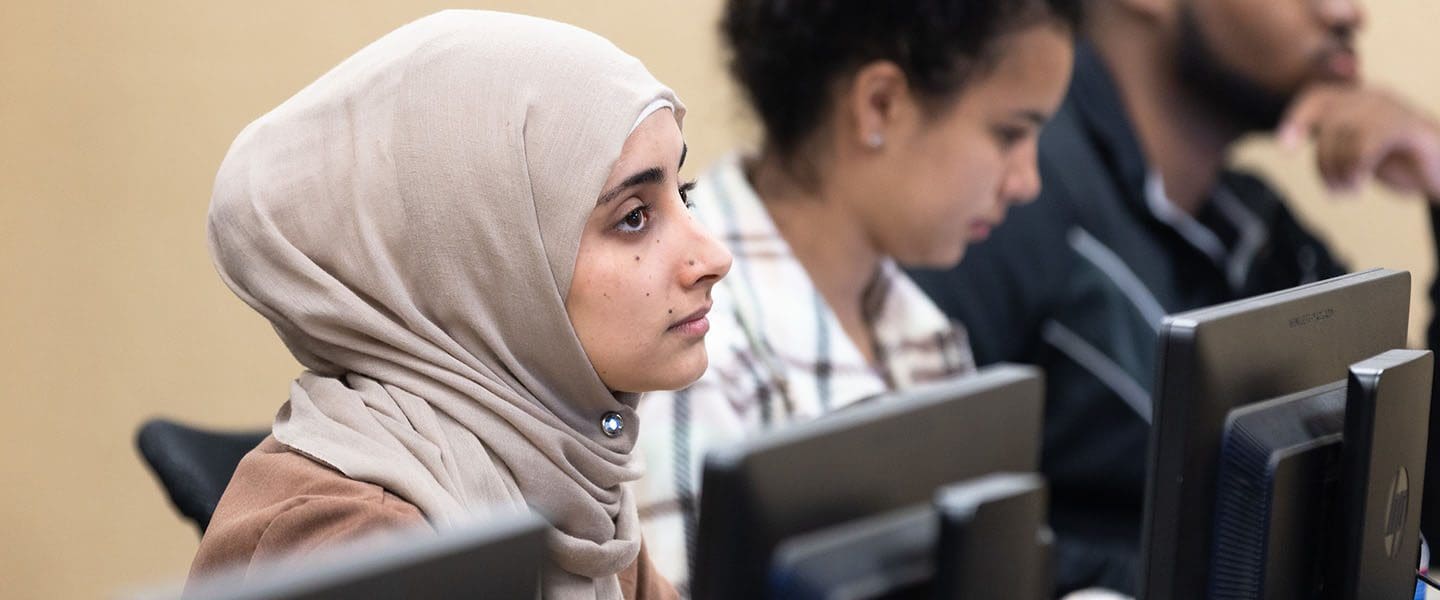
[
  {"x": 1427, "y": 154},
  {"x": 1431, "y": 168},
  {"x": 1330, "y": 152},
  {"x": 1375, "y": 150},
  {"x": 1352, "y": 138},
  {"x": 1301, "y": 117},
  {"x": 1397, "y": 175},
  {"x": 1412, "y": 166}
]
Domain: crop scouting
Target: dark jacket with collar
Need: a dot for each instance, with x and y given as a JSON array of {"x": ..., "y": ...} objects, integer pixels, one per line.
[{"x": 1077, "y": 282}]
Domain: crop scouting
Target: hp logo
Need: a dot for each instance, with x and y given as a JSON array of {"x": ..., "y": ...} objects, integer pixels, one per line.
[{"x": 1395, "y": 513}]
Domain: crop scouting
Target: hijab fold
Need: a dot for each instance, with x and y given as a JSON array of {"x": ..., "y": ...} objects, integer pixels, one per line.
[{"x": 409, "y": 224}]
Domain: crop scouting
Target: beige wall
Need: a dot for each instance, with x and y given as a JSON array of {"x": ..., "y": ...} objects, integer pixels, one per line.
[{"x": 113, "y": 119}]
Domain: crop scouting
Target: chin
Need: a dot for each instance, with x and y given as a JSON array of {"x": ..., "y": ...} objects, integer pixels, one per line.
[
  {"x": 689, "y": 367},
  {"x": 678, "y": 372},
  {"x": 936, "y": 258}
]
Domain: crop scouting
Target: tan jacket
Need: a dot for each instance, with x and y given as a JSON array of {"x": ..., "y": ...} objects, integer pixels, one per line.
[{"x": 282, "y": 504}]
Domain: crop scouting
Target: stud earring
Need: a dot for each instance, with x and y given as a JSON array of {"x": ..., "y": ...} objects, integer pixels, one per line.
[{"x": 875, "y": 141}]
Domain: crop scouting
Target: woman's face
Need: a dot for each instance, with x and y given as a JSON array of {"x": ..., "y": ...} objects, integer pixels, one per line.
[
  {"x": 643, "y": 276},
  {"x": 941, "y": 181}
]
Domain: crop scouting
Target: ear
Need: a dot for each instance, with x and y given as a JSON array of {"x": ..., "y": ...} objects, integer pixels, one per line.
[{"x": 877, "y": 103}]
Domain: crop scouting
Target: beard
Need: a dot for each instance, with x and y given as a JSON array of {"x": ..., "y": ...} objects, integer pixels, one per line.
[{"x": 1235, "y": 97}]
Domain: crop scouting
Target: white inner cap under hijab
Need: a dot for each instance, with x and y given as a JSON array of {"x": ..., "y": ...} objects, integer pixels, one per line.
[{"x": 650, "y": 109}]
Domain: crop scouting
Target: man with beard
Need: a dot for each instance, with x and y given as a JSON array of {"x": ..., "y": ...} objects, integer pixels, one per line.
[{"x": 1140, "y": 217}]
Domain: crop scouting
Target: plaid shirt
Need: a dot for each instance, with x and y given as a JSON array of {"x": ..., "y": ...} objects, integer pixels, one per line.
[{"x": 777, "y": 355}]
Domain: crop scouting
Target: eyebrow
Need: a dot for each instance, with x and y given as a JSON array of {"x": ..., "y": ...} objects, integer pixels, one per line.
[
  {"x": 648, "y": 176},
  {"x": 1039, "y": 118}
]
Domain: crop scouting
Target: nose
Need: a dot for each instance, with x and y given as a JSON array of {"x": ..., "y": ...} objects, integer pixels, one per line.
[
  {"x": 706, "y": 259},
  {"x": 1022, "y": 179},
  {"x": 1344, "y": 15}
]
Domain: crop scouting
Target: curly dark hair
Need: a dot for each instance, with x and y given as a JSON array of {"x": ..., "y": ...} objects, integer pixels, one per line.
[{"x": 786, "y": 54}]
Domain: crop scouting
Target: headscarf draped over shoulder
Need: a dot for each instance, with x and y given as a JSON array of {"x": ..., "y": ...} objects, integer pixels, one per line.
[{"x": 409, "y": 224}]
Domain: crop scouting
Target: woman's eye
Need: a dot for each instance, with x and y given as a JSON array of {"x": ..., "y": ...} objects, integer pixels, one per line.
[
  {"x": 1009, "y": 136},
  {"x": 635, "y": 220},
  {"x": 685, "y": 194}
]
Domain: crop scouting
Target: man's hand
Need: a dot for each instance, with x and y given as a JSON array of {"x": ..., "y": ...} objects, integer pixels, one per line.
[{"x": 1362, "y": 132}]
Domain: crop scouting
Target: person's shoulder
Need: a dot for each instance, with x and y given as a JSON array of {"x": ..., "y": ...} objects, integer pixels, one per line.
[
  {"x": 282, "y": 503},
  {"x": 276, "y": 474},
  {"x": 301, "y": 486},
  {"x": 313, "y": 522}
]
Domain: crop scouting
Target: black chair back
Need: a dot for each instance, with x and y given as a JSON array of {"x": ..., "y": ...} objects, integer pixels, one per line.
[{"x": 194, "y": 465}]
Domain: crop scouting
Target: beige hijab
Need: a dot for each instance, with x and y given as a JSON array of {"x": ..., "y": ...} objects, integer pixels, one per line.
[{"x": 409, "y": 224}]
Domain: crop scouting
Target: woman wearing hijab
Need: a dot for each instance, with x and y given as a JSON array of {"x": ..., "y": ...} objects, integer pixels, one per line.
[
  {"x": 480, "y": 270},
  {"x": 895, "y": 133}
]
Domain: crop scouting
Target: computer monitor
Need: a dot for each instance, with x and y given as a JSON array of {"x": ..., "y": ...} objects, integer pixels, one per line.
[
  {"x": 1215, "y": 359},
  {"x": 1315, "y": 495},
  {"x": 994, "y": 543},
  {"x": 886, "y": 454},
  {"x": 499, "y": 559},
  {"x": 1277, "y": 490},
  {"x": 1387, "y": 417},
  {"x": 980, "y": 539},
  {"x": 890, "y": 556}
]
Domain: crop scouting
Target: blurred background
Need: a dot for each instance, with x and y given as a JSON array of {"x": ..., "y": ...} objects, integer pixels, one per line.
[{"x": 113, "y": 119}]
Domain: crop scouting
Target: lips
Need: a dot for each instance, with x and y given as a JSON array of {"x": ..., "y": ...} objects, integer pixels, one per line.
[
  {"x": 694, "y": 323},
  {"x": 979, "y": 230},
  {"x": 1341, "y": 63}
]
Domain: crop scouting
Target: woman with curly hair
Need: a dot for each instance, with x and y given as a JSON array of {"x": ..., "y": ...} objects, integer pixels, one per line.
[{"x": 895, "y": 133}]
